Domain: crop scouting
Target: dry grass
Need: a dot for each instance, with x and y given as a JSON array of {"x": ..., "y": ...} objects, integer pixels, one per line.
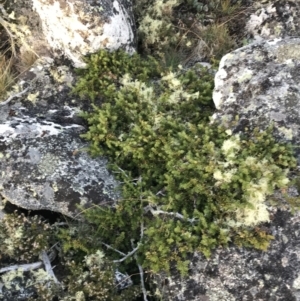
[
  {"x": 11, "y": 67},
  {"x": 6, "y": 61},
  {"x": 12, "y": 62},
  {"x": 25, "y": 60},
  {"x": 7, "y": 75},
  {"x": 227, "y": 9},
  {"x": 216, "y": 38},
  {"x": 214, "y": 41}
]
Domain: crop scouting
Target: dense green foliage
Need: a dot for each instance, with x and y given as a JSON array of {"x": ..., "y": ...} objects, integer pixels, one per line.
[
  {"x": 187, "y": 184},
  {"x": 103, "y": 72}
]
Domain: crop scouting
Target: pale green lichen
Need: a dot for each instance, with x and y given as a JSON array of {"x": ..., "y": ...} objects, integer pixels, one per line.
[
  {"x": 48, "y": 164},
  {"x": 230, "y": 147},
  {"x": 95, "y": 259},
  {"x": 156, "y": 27},
  {"x": 257, "y": 190},
  {"x": 245, "y": 76},
  {"x": 288, "y": 133},
  {"x": 8, "y": 277},
  {"x": 222, "y": 177}
]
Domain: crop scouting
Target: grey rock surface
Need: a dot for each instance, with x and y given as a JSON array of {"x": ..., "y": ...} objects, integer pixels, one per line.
[
  {"x": 273, "y": 19},
  {"x": 44, "y": 162},
  {"x": 258, "y": 85}
]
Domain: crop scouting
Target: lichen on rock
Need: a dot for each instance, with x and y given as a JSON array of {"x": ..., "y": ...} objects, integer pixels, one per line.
[
  {"x": 44, "y": 161},
  {"x": 268, "y": 95}
]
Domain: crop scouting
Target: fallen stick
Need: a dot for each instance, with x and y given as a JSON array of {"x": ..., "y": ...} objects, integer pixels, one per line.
[
  {"x": 175, "y": 214},
  {"x": 33, "y": 266},
  {"x": 141, "y": 270},
  {"x": 25, "y": 267},
  {"x": 48, "y": 266},
  {"x": 13, "y": 96}
]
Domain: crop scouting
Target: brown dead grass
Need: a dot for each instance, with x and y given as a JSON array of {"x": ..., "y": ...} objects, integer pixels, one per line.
[
  {"x": 26, "y": 60},
  {"x": 7, "y": 76},
  {"x": 214, "y": 41},
  {"x": 13, "y": 62}
]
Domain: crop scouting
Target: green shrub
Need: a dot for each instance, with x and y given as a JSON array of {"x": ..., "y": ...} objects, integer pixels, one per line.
[
  {"x": 188, "y": 185},
  {"x": 103, "y": 73}
]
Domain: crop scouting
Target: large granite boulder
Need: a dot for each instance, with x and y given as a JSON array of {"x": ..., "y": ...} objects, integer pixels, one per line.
[
  {"x": 258, "y": 85},
  {"x": 44, "y": 162},
  {"x": 71, "y": 28}
]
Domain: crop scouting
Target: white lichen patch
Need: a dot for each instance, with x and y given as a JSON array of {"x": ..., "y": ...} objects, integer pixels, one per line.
[
  {"x": 225, "y": 176},
  {"x": 219, "y": 294},
  {"x": 256, "y": 192},
  {"x": 62, "y": 74},
  {"x": 95, "y": 259},
  {"x": 296, "y": 283},
  {"x": 79, "y": 296},
  {"x": 8, "y": 277},
  {"x": 48, "y": 164},
  {"x": 54, "y": 187},
  {"x": 246, "y": 75},
  {"x": 19, "y": 232},
  {"x": 41, "y": 275},
  {"x": 258, "y": 213},
  {"x": 145, "y": 93},
  {"x": 173, "y": 82},
  {"x": 177, "y": 91},
  {"x": 228, "y": 132}
]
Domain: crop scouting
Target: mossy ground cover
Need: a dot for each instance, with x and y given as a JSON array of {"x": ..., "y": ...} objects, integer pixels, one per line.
[{"x": 187, "y": 185}]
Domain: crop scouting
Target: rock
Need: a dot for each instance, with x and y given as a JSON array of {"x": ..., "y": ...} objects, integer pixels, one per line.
[
  {"x": 277, "y": 19},
  {"x": 259, "y": 85},
  {"x": 73, "y": 28},
  {"x": 44, "y": 162}
]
